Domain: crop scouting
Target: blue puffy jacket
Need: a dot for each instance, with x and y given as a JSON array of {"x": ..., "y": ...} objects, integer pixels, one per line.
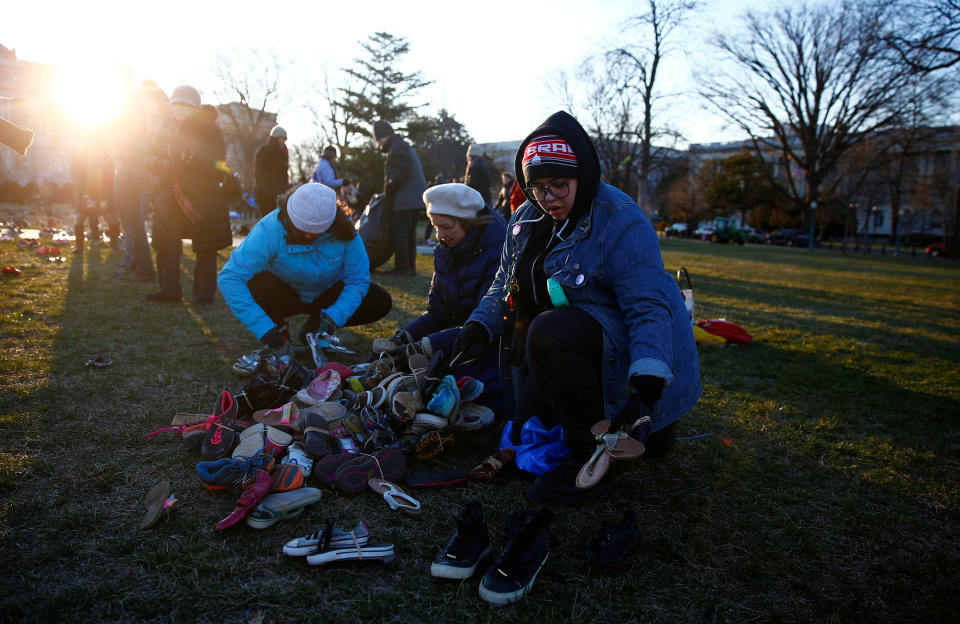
[{"x": 309, "y": 269}]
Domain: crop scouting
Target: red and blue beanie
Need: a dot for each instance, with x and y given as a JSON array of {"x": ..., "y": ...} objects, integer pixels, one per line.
[{"x": 549, "y": 156}]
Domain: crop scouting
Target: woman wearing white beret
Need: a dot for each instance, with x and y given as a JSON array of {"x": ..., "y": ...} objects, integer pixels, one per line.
[{"x": 465, "y": 261}]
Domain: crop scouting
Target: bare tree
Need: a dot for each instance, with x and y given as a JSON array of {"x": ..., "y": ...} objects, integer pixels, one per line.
[
  {"x": 652, "y": 33},
  {"x": 247, "y": 83},
  {"x": 811, "y": 81},
  {"x": 926, "y": 33}
]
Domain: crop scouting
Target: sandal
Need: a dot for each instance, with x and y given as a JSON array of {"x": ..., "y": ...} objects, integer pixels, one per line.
[
  {"x": 395, "y": 497},
  {"x": 159, "y": 501},
  {"x": 286, "y": 417},
  {"x": 248, "y": 364},
  {"x": 493, "y": 464},
  {"x": 610, "y": 446},
  {"x": 99, "y": 362}
]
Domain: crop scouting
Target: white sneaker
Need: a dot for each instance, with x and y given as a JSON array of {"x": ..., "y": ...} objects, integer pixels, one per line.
[{"x": 298, "y": 456}]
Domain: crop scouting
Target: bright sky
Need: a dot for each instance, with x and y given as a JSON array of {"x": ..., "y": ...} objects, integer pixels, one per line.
[{"x": 491, "y": 61}]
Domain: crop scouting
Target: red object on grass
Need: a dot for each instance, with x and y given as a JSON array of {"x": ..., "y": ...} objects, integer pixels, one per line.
[
  {"x": 727, "y": 330},
  {"x": 9, "y": 270}
]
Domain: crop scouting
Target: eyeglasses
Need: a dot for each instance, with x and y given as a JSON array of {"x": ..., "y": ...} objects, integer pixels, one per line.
[{"x": 558, "y": 190}]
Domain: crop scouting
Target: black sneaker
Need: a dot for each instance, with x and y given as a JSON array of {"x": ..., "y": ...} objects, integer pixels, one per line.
[
  {"x": 614, "y": 541},
  {"x": 513, "y": 573},
  {"x": 469, "y": 546}
]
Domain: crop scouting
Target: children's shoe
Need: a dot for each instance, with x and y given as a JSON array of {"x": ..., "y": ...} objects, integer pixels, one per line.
[
  {"x": 446, "y": 400},
  {"x": 320, "y": 389},
  {"x": 468, "y": 547},
  {"x": 286, "y": 477},
  {"x": 254, "y": 494},
  {"x": 309, "y": 544},
  {"x": 512, "y": 574},
  {"x": 333, "y": 547},
  {"x": 299, "y": 456},
  {"x": 470, "y": 388},
  {"x": 614, "y": 541},
  {"x": 219, "y": 437},
  {"x": 282, "y": 506},
  {"x": 229, "y": 472}
]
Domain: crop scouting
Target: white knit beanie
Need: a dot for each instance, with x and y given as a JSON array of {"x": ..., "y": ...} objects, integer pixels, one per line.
[
  {"x": 453, "y": 200},
  {"x": 312, "y": 207}
]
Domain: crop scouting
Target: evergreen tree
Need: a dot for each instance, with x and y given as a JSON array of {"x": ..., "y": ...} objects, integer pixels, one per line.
[{"x": 378, "y": 89}]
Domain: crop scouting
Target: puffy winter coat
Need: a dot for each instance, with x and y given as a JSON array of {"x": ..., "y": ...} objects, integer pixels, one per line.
[
  {"x": 309, "y": 269},
  {"x": 461, "y": 277}
]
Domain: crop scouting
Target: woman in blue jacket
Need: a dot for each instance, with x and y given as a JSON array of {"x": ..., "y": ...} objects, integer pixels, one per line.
[
  {"x": 302, "y": 258},
  {"x": 590, "y": 325},
  {"x": 465, "y": 261}
]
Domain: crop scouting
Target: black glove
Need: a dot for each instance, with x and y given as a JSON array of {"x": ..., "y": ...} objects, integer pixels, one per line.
[
  {"x": 402, "y": 337},
  {"x": 470, "y": 343},
  {"x": 319, "y": 322},
  {"x": 645, "y": 391},
  {"x": 273, "y": 338},
  {"x": 346, "y": 181}
]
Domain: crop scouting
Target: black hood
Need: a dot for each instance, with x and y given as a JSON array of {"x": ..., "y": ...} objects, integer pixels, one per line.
[{"x": 564, "y": 125}]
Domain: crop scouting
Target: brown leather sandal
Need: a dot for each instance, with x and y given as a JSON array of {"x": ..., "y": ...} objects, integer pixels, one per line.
[
  {"x": 493, "y": 464},
  {"x": 610, "y": 446}
]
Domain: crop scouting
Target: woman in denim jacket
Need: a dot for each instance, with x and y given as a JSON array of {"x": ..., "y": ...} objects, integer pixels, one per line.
[{"x": 591, "y": 327}]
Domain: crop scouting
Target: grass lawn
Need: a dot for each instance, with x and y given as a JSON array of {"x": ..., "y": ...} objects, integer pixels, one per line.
[{"x": 824, "y": 487}]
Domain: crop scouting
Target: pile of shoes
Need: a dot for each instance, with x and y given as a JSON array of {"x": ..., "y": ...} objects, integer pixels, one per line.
[{"x": 294, "y": 432}]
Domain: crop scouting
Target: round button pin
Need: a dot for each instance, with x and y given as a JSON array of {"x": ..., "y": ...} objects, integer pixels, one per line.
[
  {"x": 580, "y": 279},
  {"x": 516, "y": 229}
]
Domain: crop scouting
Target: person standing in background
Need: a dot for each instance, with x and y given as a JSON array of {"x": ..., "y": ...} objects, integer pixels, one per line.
[
  {"x": 270, "y": 177},
  {"x": 477, "y": 175},
  {"x": 403, "y": 184},
  {"x": 503, "y": 207}
]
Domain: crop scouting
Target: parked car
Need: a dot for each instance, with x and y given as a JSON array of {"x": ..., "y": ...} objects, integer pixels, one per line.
[
  {"x": 935, "y": 250},
  {"x": 704, "y": 232},
  {"x": 678, "y": 230},
  {"x": 754, "y": 235},
  {"x": 790, "y": 237}
]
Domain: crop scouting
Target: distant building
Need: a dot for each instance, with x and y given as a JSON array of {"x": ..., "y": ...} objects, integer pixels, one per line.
[{"x": 27, "y": 99}]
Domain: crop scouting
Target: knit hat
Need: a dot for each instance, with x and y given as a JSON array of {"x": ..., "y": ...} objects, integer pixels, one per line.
[
  {"x": 185, "y": 94},
  {"x": 278, "y": 132},
  {"x": 312, "y": 207},
  {"x": 475, "y": 150},
  {"x": 381, "y": 129},
  {"x": 549, "y": 156},
  {"x": 453, "y": 200}
]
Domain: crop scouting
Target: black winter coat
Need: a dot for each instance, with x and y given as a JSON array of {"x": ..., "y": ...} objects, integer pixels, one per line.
[
  {"x": 403, "y": 179},
  {"x": 477, "y": 177},
  {"x": 196, "y": 162},
  {"x": 270, "y": 168}
]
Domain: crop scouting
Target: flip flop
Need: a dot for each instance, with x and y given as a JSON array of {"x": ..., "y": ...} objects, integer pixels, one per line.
[
  {"x": 158, "y": 502},
  {"x": 610, "y": 446},
  {"x": 396, "y": 497}
]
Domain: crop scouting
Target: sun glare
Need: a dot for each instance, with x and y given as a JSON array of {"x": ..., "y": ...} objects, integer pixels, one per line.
[{"x": 91, "y": 93}]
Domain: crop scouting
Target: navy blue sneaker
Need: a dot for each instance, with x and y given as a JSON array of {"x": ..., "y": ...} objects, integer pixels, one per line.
[
  {"x": 513, "y": 573},
  {"x": 468, "y": 547},
  {"x": 614, "y": 542}
]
